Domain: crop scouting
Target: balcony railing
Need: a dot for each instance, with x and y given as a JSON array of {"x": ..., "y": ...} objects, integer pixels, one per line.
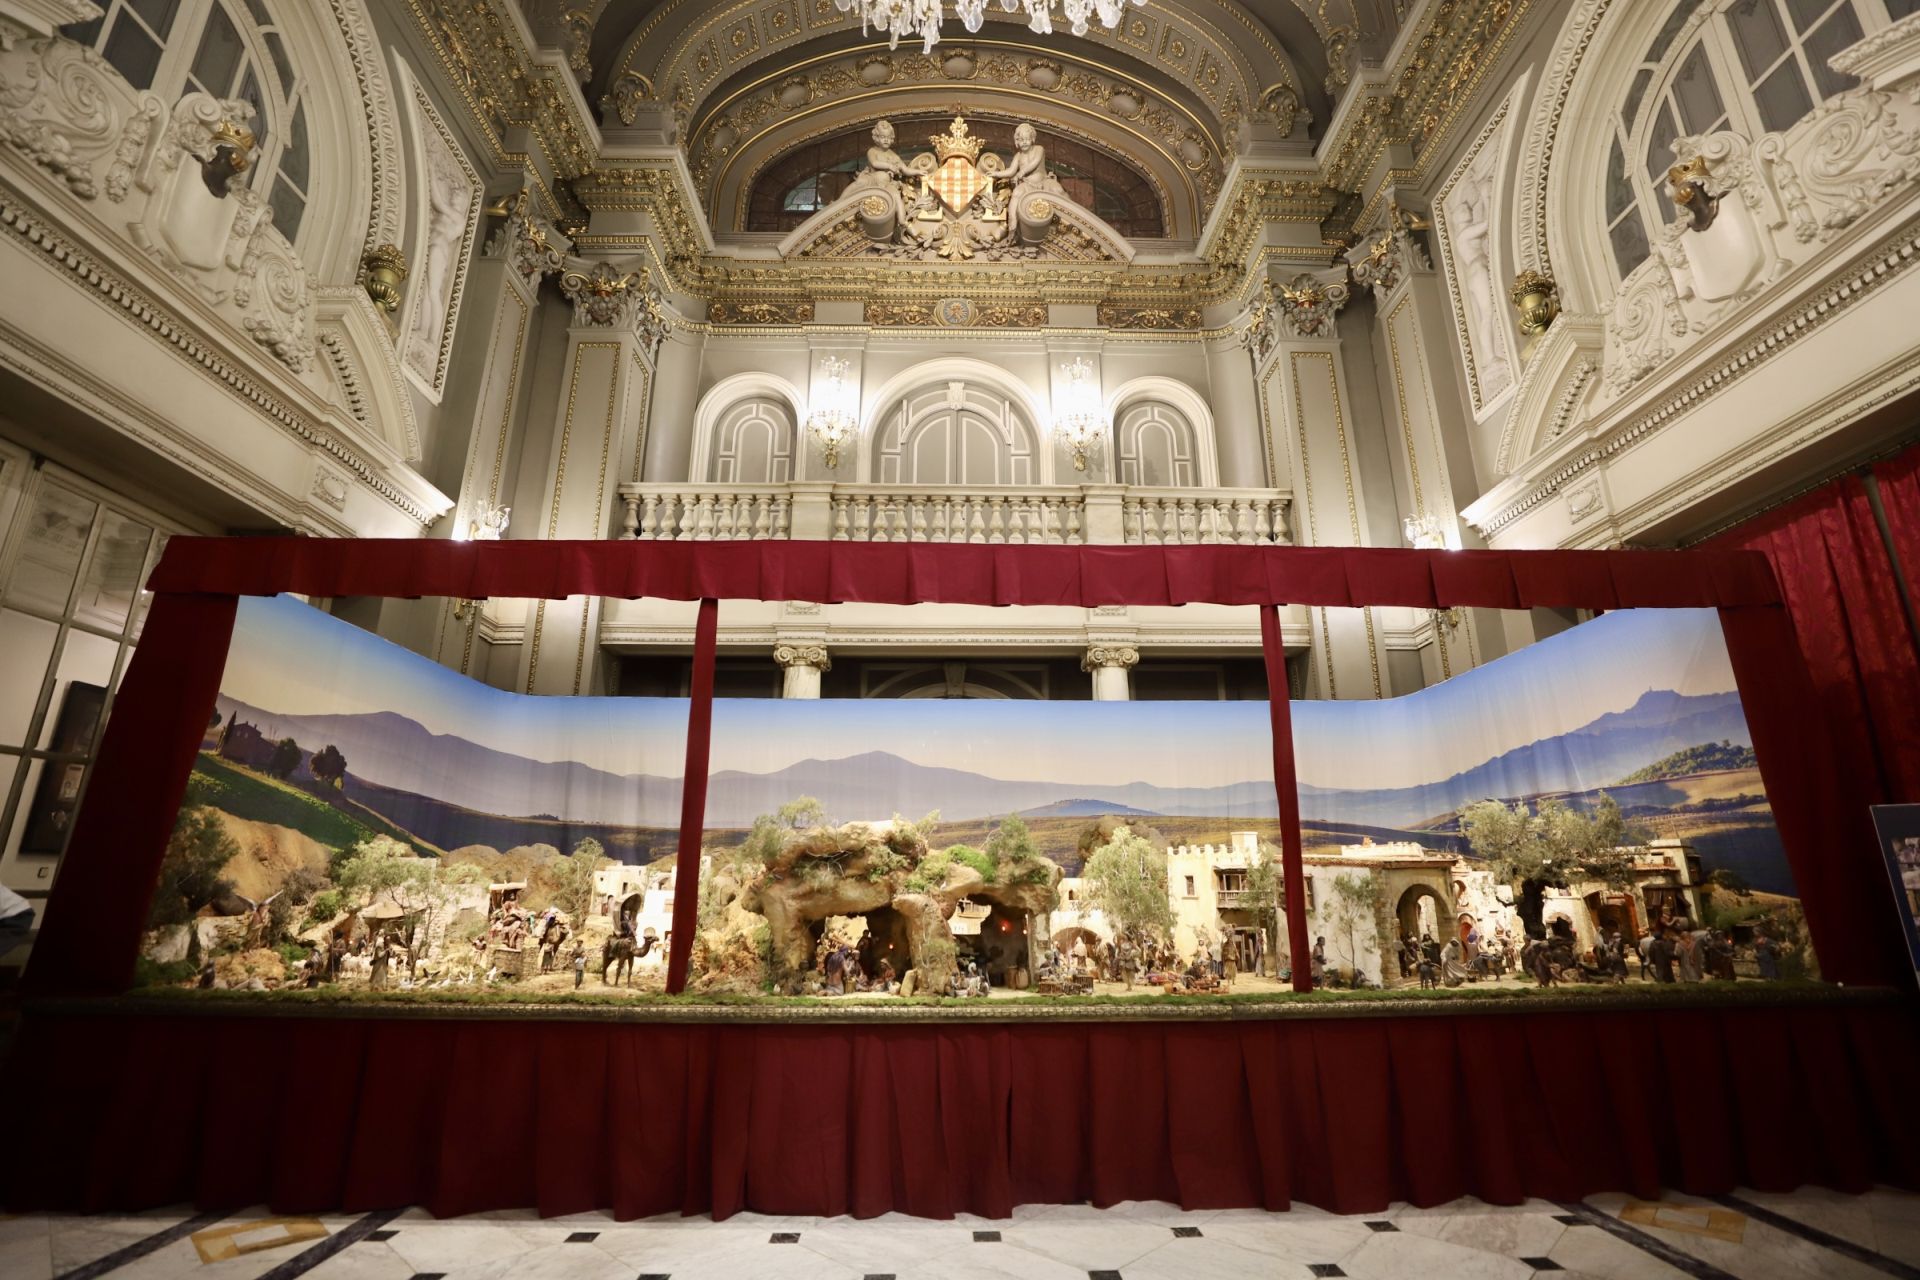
[{"x": 1101, "y": 514}]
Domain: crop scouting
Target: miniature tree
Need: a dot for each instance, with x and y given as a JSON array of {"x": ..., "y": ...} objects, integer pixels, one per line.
[
  {"x": 1352, "y": 912},
  {"x": 190, "y": 869},
  {"x": 1549, "y": 848},
  {"x": 573, "y": 880},
  {"x": 1266, "y": 885},
  {"x": 328, "y": 765},
  {"x": 285, "y": 758},
  {"x": 1127, "y": 879}
]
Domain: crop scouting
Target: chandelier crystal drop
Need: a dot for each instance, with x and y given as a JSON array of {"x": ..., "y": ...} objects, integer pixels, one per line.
[
  {"x": 831, "y": 420},
  {"x": 1081, "y": 423},
  {"x": 899, "y": 18}
]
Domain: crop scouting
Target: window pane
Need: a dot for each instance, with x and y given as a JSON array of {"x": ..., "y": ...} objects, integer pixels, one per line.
[
  {"x": 133, "y": 53},
  {"x": 1835, "y": 34},
  {"x": 49, "y": 561},
  {"x": 288, "y": 207},
  {"x": 1629, "y": 244},
  {"x": 278, "y": 52},
  {"x": 1619, "y": 190},
  {"x": 1671, "y": 28},
  {"x": 262, "y": 121},
  {"x": 87, "y": 33},
  {"x": 1758, "y": 34},
  {"x": 1660, "y": 146},
  {"x": 1631, "y": 111},
  {"x": 157, "y": 14},
  {"x": 113, "y": 576},
  {"x": 1898, "y": 9},
  {"x": 293, "y": 161},
  {"x": 1782, "y": 97},
  {"x": 28, "y": 644},
  {"x": 219, "y": 56},
  {"x": 260, "y": 15},
  {"x": 1807, "y": 12},
  {"x": 1697, "y": 94}
]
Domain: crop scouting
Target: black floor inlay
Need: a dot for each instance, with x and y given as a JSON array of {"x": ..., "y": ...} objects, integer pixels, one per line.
[
  {"x": 320, "y": 1250},
  {"x": 1186, "y": 1233},
  {"x": 1569, "y": 1220},
  {"x": 879, "y": 1276},
  {"x": 1678, "y": 1259},
  {"x": 784, "y": 1237},
  {"x": 382, "y": 1236},
  {"x": 1381, "y": 1225},
  {"x": 1543, "y": 1264},
  {"x": 141, "y": 1248},
  {"x": 986, "y": 1237},
  {"x": 654, "y": 1275},
  {"x": 1325, "y": 1268},
  {"x": 429, "y": 1275},
  {"x": 1845, "y": 1248},
  {"x": 1103, "y": 1275},
  {"x": 583, "y": 1237}
]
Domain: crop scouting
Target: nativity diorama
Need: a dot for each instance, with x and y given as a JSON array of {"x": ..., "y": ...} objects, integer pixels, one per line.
[{"x": 416, "y": 835}]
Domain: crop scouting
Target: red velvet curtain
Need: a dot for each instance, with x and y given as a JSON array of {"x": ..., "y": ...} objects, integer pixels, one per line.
[
  {"x": 1899, "y": 482},
  {"x": 1348, "y": 1114}
]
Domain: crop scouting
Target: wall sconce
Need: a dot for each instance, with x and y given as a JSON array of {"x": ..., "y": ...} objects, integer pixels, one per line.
[
  {"x": 490, "y": 525},
  {"x": 831, "y": 420},
  {"x": 1081, "y": 423},
  {"x": 1536, "y": 297},
  {"x": 385, "y": 270}
]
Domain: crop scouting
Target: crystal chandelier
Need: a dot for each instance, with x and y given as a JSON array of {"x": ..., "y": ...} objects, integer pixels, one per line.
[
  {"x": 831, "y": 421},
  {"x": 922, "y": 17},
  {"x": 1082, "y": 420}
]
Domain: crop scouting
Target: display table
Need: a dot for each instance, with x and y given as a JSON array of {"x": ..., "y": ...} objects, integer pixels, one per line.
[{"x": 134, "y": 1103}]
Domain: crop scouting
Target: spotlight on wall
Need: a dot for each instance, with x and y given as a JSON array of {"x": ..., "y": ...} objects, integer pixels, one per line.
[
  {"x": 1081, "y": 422},
  {"x": 831, "y": 420}
]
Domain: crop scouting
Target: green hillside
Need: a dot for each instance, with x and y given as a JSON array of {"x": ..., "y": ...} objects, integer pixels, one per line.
[
  {"x": 242, "y": 792},
  {"x": 1708, "y": 757}
]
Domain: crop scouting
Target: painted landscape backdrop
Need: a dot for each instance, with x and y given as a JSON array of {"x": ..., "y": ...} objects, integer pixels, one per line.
[{"x": 1640, "y": 704}]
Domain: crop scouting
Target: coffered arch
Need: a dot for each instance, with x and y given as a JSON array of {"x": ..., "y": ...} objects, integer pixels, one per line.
[{"x": 1227, "y": 51}]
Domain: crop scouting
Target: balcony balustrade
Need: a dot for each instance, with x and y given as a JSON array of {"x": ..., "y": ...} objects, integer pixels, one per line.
[{"x": 1086, "y": 514}]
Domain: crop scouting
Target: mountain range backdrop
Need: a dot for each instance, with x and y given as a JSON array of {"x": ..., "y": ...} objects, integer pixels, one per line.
[{"x": 1679, "y": 762}]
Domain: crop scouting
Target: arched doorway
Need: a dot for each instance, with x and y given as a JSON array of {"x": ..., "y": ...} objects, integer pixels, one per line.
[
  {"x": 1420, "y": 911},
  {"x": 956, "y": 433}
]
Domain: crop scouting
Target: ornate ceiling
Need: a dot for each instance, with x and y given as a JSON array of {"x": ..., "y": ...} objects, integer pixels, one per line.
[{"x": 1170, "y": 89}]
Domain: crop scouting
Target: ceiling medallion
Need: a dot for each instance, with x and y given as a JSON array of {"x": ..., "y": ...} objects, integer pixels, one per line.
[{"x": 922, "y": 17}]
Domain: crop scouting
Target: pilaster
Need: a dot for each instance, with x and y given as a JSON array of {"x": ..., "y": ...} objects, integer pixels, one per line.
[{"x": 618, "y": 321}]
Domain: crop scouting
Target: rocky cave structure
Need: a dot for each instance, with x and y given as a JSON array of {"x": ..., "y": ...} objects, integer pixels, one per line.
[{"x": 887, "y": 873}]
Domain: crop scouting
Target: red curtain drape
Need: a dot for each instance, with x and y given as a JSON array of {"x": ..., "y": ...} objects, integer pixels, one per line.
[
  {"x": 1899, "y": 481},
  {"x": 1348, "y": 1114},
  {"x": 90, "y": 936}
]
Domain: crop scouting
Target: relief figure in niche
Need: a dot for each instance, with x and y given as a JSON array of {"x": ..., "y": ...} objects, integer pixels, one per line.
[
  {"x": 450, "y": 198},
  {"x": 1469, "y": 212}
]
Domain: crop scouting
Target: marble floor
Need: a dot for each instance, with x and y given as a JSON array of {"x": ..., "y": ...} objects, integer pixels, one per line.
[{"x": 1751, "y": 1235}]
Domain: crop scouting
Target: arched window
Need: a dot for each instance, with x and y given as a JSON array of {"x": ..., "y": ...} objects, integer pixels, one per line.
[
  {"x": 959, "y": 434},
  {"x": 1155, "y": 444},
  {"x": 1751, "y": 66},
  {"x": 177, "y": 47},
  {"x": 753, "y": 444}
]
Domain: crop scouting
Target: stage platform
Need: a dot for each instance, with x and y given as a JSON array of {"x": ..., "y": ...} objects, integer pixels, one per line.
[{"x": 693, "y": 1107}]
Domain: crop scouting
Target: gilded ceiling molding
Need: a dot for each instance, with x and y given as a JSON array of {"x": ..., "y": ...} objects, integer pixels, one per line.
[
  {"x": 714, "y": 42},
  {"x": 956, "y": 313},
  {"x": 1116, "y": 316}
]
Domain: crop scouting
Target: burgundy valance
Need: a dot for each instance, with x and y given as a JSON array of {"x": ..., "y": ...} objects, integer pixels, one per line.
[{"x": 963, "y": 573}]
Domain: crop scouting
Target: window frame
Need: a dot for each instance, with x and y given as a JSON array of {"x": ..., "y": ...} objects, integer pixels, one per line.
[
  {"x": 1707, "y": 29},
  {"x": 284, "y": 105}
]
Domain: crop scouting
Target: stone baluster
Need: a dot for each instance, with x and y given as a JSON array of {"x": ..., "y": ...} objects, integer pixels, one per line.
[
  {"x": 723, "y": 517},
  {"x": 782, "y": 516},
  {"x": 862, "y": 519},
  {"x": 1076, "y": 523},
  {"x": 1189, "y": 523},
  {"x": 1282, "y": 529},
  {"x": 916, "y": 518},
  {"x": 763, "y": 517},
  {"x": 1262, "y": 527},
  {"x": 629, "y": 516},
  {"x": 1207, "y": 512},
  {"x": 650, "y": 516},
  {"x": 703, "y": 517},
  {"x": 996, "y": 519},
  {"x": 976, "y": 519},
  {"x": 839, "y": 518}
]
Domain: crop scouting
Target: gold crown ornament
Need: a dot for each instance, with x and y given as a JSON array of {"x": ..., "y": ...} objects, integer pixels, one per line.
[
  {"x": 237, "y": 137},
  {"x": 956, "y": 141}
]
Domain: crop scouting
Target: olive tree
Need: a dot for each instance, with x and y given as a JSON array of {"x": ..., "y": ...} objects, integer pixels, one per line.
[{"x": 1550, "y": 847}]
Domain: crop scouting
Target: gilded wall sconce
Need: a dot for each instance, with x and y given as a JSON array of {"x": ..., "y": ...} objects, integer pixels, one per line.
[
  {"x": 1537, "y": 298},
  {"x": 385, "y": 270}
]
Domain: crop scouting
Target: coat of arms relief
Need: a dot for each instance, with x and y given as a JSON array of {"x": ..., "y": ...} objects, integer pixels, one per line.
[{"x": 958, "y": 202}]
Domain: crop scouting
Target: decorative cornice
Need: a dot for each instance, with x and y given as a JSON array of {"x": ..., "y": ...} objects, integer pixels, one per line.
[
  {"x": 88, "y": 271},
  {"x": 1880, "y": 268}
]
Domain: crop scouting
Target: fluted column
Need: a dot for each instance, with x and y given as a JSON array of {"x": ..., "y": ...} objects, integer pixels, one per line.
[
  {"x": 618, "y": 320},
  {"x": 804, "y": 665},
  {"x": 1427, "y": 435},
  {"x": 1109, "y": 664},
  {"x": 1294, "y": 337}
]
